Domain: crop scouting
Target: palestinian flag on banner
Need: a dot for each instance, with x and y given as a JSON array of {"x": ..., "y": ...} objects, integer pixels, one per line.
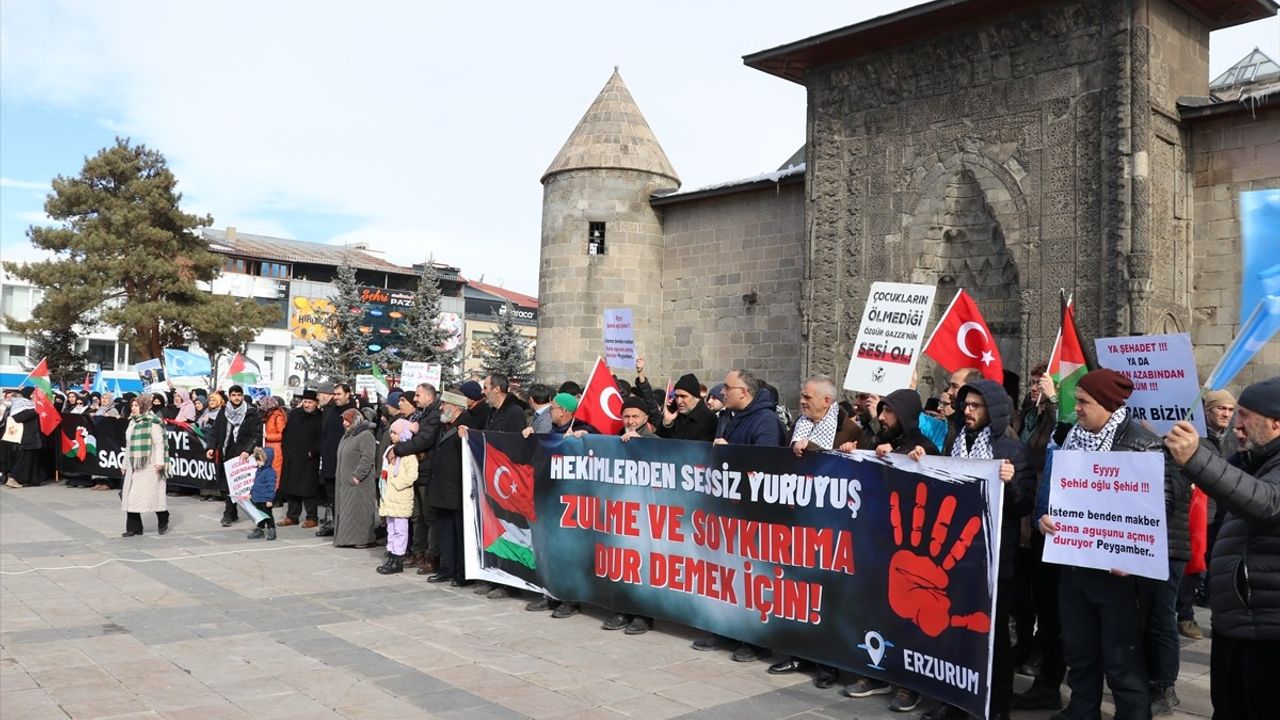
[
  {"x": 42, "y": 397},
  {"x": 81, "y": 446},
  {"x": 243, "y": 370},
  {"x": 1068, "y": 362},
  {"x": 506, "y": 507},
  {"x": 505, "y": 539},
  {"x": 193, "y": 429}
]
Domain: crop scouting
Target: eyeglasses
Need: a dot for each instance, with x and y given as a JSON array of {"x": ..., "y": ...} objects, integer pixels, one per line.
[
  {"x": 727, "y": 388},
  {"x": 975, "y": 406}
]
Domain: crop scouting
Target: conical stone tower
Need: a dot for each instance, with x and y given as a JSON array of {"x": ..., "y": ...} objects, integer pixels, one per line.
[{"x": 602, "y": 241}]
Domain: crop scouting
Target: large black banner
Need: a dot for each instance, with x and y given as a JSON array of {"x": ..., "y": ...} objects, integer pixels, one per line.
[
  {"x": 94, "y": 445},
  {"x": 886, "y": 568}
]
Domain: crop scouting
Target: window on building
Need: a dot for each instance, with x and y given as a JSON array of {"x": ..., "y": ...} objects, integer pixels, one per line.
[
  {"x": 122, "y": 355},
  {"x": 595, "y": 238},
  {"x": 273, "y": 270},
  {"x": 281, "y": 305},
  {"x": 235, "y": 265},
  {"x": 268, "y": 366},
  {"x": 15, "y": 301},
  {"x": 11, "y": 352},
  {"x": 102, "y": 352}
]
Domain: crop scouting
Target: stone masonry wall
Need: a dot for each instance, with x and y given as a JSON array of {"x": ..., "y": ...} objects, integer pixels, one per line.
[
  {"x": 1230, "y": 155},
  {"x": 717, "y": 250}
]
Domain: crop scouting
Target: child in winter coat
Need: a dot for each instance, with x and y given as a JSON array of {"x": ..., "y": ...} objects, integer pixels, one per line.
[
  {"x": 264, "y": 493},
  {"x": 398, "y": 476}
]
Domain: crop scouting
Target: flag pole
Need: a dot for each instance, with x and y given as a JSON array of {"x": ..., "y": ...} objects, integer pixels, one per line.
[{"x": 943, "y": 317}]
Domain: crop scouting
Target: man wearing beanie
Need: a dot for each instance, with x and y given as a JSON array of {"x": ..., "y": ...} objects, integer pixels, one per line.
[
  {"x": 686, "y": 416},
  {"x": 1244, "y": 578},
  {"x": 1102, "y": 612}
]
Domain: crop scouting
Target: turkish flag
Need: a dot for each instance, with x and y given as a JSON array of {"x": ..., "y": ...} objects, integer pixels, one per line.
[
  {"x": 601, "y": 405},
  {"x": 509, "y": 483},
  {"x": 49, "y": 417},
  {"x": 962, "y": 340}
]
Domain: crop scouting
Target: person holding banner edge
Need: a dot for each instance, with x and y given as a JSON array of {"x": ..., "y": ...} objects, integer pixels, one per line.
[
  {"x": 1096, "y": 607},
  {"x": 236, "y": 432},
  {"x": 1244, "y": 582}
]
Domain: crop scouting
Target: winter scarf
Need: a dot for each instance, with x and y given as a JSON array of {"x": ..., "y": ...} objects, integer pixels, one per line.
[
  {"x": 1081, "y": 439},
  {"x": 140, "y": 439},
  {"x": 235, "y": 416},
  {"x": 981, "y": 449},
  {"x": 821, "y": 433}
]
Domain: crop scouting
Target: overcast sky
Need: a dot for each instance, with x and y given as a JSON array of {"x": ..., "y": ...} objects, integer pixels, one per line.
[{"x": 422, "y": 128}]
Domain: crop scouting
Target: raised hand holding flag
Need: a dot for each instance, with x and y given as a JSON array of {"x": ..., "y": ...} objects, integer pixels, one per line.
[
  {"x": 42, "y": 397},
  {"x": 962, "y": 340}
]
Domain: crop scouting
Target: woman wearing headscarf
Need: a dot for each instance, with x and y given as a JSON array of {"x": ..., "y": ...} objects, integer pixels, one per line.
[
  {"x": 144, "y": 469},
  {"x": 27, "y": 466},
  {"x": 356, "y": 489},
  {"x": 186, "y": 408},
  {"x": 273, "y": 422}
]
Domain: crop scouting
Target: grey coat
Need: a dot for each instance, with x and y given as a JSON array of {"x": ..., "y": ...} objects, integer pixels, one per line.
[{"x": 356, "y": 504}]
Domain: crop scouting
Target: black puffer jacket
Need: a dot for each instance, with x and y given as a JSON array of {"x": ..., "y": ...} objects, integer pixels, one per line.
[
  {"x": 905, "y": 404},
  {"x": 698, "y": 424},
  {"x": 1019, "y": 493},
  {"x": 1131, "y": 436},
  {"x": 1244, "y": 573}
]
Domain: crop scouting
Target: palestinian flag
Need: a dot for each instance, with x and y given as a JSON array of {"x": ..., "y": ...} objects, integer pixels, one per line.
[
  {"x": 380, "y": 379},
  {"x": 193, "y": 429},
  {"x": 505, "y": 539},
  {"x": 243, "y": 371},
  {"x": 82, "y": 446},
  {"x": 42, "y": 397},
  {"x": 1068, "y": 363}
]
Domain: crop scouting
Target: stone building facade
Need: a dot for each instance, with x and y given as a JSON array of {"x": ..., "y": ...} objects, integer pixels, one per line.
[{"x": 1013, "y": 149}]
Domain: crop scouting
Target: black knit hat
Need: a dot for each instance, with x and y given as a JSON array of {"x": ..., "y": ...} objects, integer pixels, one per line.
[
  {"x": 1262, "y": 397},
  {"x": 636, "y": 403},
  {"x": 689, "y": 383}
]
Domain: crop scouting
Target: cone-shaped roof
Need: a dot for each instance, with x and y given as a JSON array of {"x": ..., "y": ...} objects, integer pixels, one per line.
[{"x": 613, "y": 134}]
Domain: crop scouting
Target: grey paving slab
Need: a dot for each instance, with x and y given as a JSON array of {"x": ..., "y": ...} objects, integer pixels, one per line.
[{"x": 202, "y": 623}]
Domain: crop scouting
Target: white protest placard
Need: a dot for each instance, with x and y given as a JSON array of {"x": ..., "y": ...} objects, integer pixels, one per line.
[
  {"x": 889, "y": 337},
  {"x": 240, "y": 476},
  {"x": 619, "y": 339},
  {"x": 1109, "y": 508},
  {"x": 1163, "y": 371},
  {"x": 369, "y": 386},
  {"x": 413, "y": 374}
]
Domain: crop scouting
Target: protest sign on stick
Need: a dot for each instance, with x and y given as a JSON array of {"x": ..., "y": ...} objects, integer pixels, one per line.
[
  {"x": 1163, "y": 371},
  {"x": 1109, "y": 508},
  {"x": 619, "y": 339},
  {"x": 413, "y": 374},
  {"x": 889, "y": 337}
]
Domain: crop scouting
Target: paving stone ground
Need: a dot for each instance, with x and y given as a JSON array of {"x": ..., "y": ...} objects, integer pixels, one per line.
[{"x": 202, "y": 623}]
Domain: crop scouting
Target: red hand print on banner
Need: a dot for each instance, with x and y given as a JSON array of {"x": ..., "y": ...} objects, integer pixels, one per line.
[{"x": 917, "y": 583}]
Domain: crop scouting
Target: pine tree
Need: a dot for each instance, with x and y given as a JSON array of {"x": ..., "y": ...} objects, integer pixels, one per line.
[
  {"x": 125, "y": 255},
  {"x": 344, "y": 352},
  {"x": 424, "y": 339},
  {"x": 67, "y": 365},
  {"x": 506, "y": 352}
]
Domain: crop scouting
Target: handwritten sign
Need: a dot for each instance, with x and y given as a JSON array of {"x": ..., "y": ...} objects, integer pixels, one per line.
[
  {"x": 1163, "y": 371},
  {"x": 240, "y": 476},
  {"x": 1109, "y": 508},
  {"x": 889, "y": 337},
  {"x": 619, "y": 339},
  {"x": 413, "y": 374}
]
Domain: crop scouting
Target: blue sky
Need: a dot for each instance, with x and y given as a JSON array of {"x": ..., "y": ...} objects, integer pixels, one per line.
[{"x": 421, "y": 128}]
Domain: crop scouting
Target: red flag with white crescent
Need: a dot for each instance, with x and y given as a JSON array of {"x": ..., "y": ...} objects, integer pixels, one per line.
[
  {"x": 962, "y": 340},
  {"x": 601, "y": 405},
  {"x": 509, "y": 483}
]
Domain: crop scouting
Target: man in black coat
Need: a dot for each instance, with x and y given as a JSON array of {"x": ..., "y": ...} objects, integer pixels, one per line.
[
  {"x": 1102, "y": 612},
  {"x": 427, "y": 414},
  {"x": 331, "y": 435},
  {"x": 980, "y": 424},
  {"x": 687, "y": 417},
  {"x": 1244, "y": 578},
  {"x": 444, "y": 495},
  {"x": 506, "y": 415},
  {"x": 236, "y": 432},
  {"x": 300, "y": 471}
]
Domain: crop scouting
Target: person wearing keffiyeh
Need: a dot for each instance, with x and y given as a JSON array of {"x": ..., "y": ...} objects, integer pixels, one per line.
[
  {"x": 980, "y": 426},
  {"x": 1103, "y": 613},
  {"x": 144, "y": 469}
]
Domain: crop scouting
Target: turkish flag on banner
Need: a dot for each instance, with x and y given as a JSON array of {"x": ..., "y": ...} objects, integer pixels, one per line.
[
  {"x": 962, "y": 340},
  {"x": 601, "y": 405},
  {"x": 509, "y": 483}
]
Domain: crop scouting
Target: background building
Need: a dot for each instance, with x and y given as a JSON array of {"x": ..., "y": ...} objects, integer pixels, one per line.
[
  {"x": 485, "y": 304},
  {"x": 1005, "y": 147}
]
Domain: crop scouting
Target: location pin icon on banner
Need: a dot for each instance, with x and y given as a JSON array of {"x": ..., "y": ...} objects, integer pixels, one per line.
[{"x": 875, "y": 646}]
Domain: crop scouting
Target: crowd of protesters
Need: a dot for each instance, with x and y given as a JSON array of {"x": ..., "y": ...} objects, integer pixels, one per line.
[{"x": 366, "y": 474}]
